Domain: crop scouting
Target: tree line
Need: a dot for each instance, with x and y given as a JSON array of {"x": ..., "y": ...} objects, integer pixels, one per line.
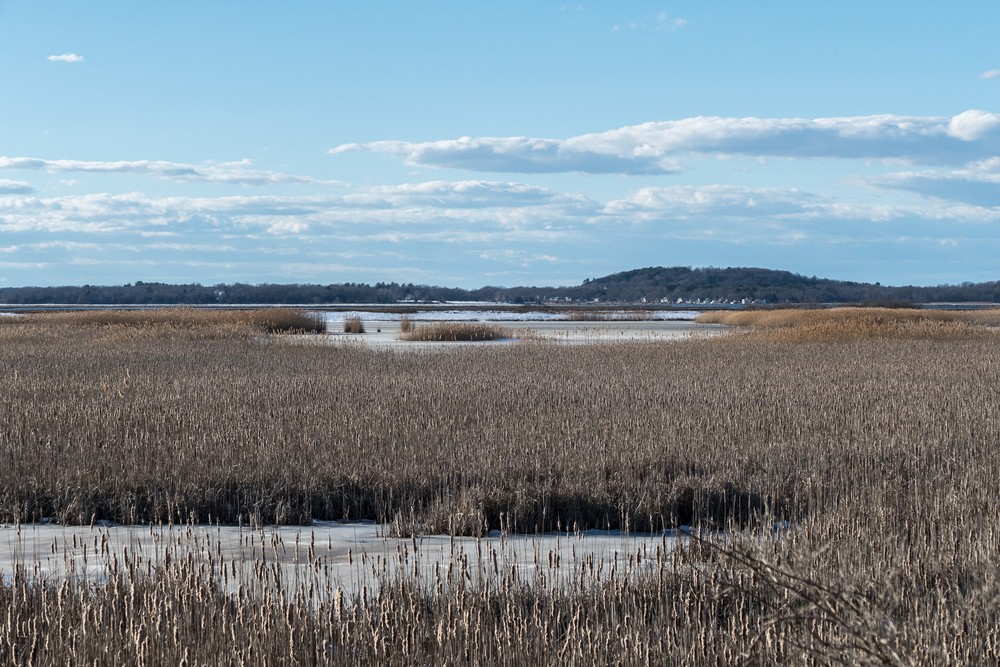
[{"x": 649, "y": 285}]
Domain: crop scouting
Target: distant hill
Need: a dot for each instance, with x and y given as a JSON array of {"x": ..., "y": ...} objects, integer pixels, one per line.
[
  {"x": 770, "y": 286},
  {"x": 680, "y": 284},
  {"x": 766, "y": 285},
  {"x": 650, "y": 285}
]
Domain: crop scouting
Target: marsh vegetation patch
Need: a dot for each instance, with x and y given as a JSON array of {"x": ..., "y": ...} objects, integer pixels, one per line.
[{"x": 876, "y": 455}]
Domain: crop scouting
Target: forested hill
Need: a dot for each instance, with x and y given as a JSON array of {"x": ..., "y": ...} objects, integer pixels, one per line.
[
  {"x": 654, "y": 285},
  {"x": 775, "y": 287}
]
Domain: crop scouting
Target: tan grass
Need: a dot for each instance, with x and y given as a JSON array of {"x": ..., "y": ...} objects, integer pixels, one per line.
[
  {"x": 454, "y": 331},
  {"x": 271, "y": 320},
  {"x": 844, "y": 324},
  {"x": 622, "y": 315},
  {"x": 881, "y": 452},
  {"x": 354, "y": 325}
]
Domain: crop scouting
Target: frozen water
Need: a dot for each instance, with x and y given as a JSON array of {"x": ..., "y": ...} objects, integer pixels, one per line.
[
  {"x": 352, "y": 556},
  {"x": 459, "y": 315}
]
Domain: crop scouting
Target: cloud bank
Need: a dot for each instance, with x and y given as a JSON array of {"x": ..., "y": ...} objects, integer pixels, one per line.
[
  {"x": 464, "y": 204},
  {"x": 977, "y": 183},
  {"x": 15, "y": 187},
  {"x": 928, "y": 187},
  {"x": 523, "y": 155},
  {"x": 657, "y": 147},
  {"x": 235, "y": 173},
  {"x": 473, "y": 232}
]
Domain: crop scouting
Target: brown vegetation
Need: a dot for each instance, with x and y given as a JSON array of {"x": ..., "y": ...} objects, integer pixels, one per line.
[
  {"x": 620, "y": 315},
  {"x": 354, "y": 325},
  {"x": 441, "y": 332},
  {"x": 703, "y": 605},
  {"x": 174, "y": 319},
  {"x": 856, "y": 324},
  {"x": 881, "y": 452}
]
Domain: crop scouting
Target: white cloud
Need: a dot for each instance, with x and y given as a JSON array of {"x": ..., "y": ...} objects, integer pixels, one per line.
[
  {"x": 435, "y": 211},
  {"x": 977, "y": 184},
  {"x": 990, "y": 74},
  {"x": 233, "y": 173},
  {"x": 467, "y": 227},
  {"x": 30, "y": 266},
  {"x": 519, "y": 257},
  {"x": 519, "y": 154},
  {"x": 656, "y": 147},
  {"x": 15, "y": 187},
  {"x": 974, "y": 125},
  {"x": 481, "y": 215},
  {"x": 65, "y": 58},
  {"x": 715, "y": 201},
  {"x": 191, "y": 247},
  {"x": 464, "y": 195},
  {"x": 283, "y": 227}
]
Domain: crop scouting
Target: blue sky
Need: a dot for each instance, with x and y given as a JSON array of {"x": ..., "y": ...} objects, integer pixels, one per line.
[{"x": 516, "y": 143}]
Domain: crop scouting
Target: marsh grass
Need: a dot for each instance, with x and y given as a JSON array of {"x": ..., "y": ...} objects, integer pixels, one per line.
[
  {"x": 859, "y": 319},
  {"x": 354, "y": 325},
  {"x": 623, "y": 315},
  {"x": 267, "y": 320},
  {"x": 453, "y": 331},
  {"x": 875, "y": 455},
  {"x": 744, "y": 599},
  {"x": 832, "y": 325}
]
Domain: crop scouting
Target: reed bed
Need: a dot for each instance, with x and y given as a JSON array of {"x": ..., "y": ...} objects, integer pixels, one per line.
[
  {"x": 857, "y": 318},
  {"x": 703, "y": 605},
  {"x": 858, "y": 324},
  {"x": 876, "y": 456},
  {"x": 441, "y": 332},
  {"x": 173, "y": 319},
  {"x": 354, "y": 325},
  {"x": 622, "y": 315}
]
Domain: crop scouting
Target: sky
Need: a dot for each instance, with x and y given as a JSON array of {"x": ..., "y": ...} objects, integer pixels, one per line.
[{"x": 468, "y": 144}]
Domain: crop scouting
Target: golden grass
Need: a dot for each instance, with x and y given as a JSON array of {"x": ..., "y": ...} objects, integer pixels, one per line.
[
  {"x": 847, "y": 324},
  {"x": 269, "y": 320},
  {"x": 882, "y": 453},
  {"x": 453, "y": 331},
  {"x": 621, "y": 315},
  {"x": 354, "y": 325},
  {"x": 707, "y": 604}
]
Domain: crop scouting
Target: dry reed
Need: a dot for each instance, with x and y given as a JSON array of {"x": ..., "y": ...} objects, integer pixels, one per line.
[
  {"x": 269, "y": 320},
  {"x": 880, "y": 452},
  {"x": 354, "y": 325},
  {"x": 453, "y": 331},
  {"x": 621, "y": 315},
  {"x": 857, "y": 324}
]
